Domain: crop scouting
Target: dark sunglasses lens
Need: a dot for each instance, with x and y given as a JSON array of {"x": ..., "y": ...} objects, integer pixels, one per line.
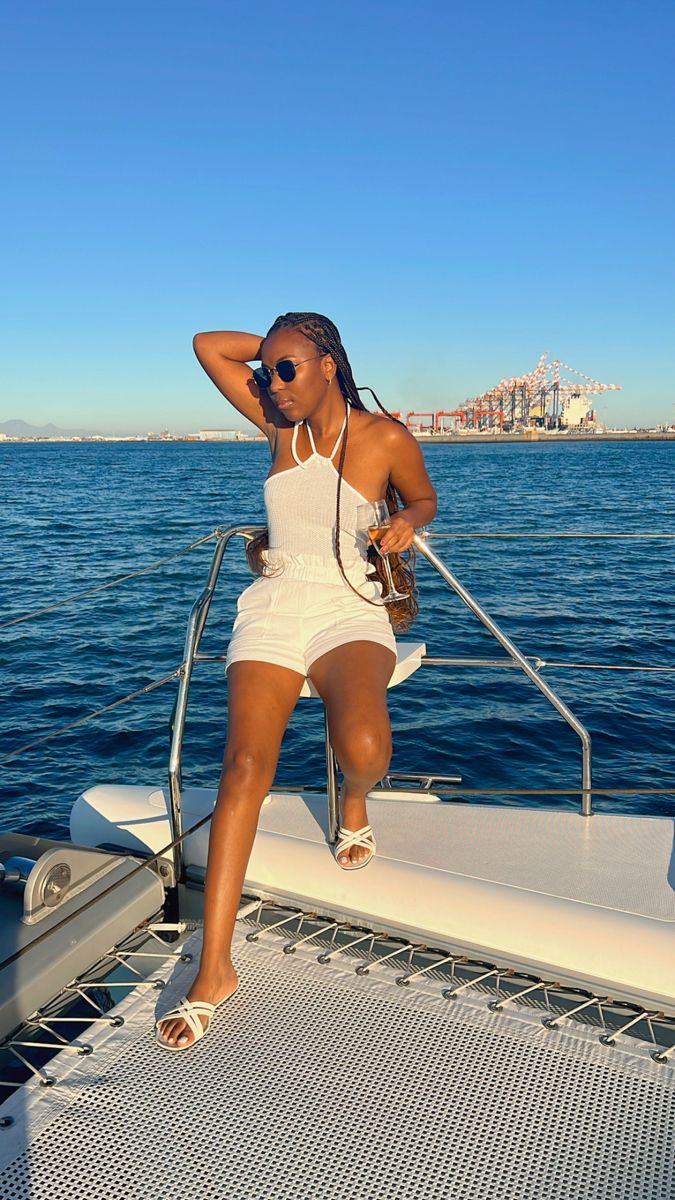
[
  {"x": 262, "y": 377},
  {"x": 286, "y": 370}
]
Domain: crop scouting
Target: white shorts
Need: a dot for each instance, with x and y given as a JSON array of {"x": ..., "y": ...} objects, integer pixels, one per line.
[{"x": 293, "y": 622}]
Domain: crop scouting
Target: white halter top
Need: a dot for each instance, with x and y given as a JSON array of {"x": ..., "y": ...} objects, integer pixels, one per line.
[{"x": 301, "y": 508}]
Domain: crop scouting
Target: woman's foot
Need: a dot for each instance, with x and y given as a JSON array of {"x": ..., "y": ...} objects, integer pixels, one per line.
[
  {"x": 354, "y": 816},
  {"x": 176, "y": 1032}
]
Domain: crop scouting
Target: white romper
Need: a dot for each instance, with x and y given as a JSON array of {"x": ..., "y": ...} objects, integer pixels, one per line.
[{"x": 305, "y": 608}]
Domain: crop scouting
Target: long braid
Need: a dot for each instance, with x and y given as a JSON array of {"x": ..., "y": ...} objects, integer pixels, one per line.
[{"x": 326, "y": 338}]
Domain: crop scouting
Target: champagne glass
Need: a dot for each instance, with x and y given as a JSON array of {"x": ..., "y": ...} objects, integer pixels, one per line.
[{"x": 375, "y": 518}]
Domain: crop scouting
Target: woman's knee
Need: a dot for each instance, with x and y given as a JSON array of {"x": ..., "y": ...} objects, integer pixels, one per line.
[
  {"x": 250, "y": 768},
  {"x": 364, "y": 751}
]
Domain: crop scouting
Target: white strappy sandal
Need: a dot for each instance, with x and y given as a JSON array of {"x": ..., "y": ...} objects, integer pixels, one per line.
[
  {"x": 358, "y": 837},
  {"x": 189, "y": 1011}
]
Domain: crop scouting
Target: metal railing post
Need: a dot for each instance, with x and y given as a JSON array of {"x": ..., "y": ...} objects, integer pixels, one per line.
[
  {"x": 332, "y": 789},
  {"x": 196, "y": 623},
  {"x": 586, "y": 770}
]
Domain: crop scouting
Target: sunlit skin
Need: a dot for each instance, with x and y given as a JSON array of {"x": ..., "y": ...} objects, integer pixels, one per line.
[
  {"x": 378, "y": 450},
  {"x": 351, "y": 679}
]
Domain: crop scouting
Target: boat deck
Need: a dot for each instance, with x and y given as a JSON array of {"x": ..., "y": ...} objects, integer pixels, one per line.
[
  {"x": 623, "y": 863},
  {"x": 318, "y": 1081},
  {"x": 586, "y": 901}
]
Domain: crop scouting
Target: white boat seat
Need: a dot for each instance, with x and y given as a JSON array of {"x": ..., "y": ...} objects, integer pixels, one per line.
[
  {"x": 408, "y": 659},
  {"x": 585, "y": 902}
]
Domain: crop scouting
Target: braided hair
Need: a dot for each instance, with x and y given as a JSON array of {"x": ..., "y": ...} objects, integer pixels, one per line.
[{"x": 326, "y": 338}]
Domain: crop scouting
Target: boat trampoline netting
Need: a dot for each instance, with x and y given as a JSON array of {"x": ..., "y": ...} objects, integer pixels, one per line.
[{"x": 317, "y": 1082}]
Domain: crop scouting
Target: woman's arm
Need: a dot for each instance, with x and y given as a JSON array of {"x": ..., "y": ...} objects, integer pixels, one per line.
[
  {"x": 224, "y": 356},
  {"x": 410, "y": 478}
]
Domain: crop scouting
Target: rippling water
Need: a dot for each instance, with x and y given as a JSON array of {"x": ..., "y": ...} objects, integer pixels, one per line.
[{"x": 79, "y": 514}]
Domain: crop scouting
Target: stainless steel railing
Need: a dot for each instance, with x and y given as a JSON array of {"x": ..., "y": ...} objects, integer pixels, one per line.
[
  {"x": 195, "y": 629},
  {"x": 531, "y": 672},
  {"x": 197, "y": 621}
]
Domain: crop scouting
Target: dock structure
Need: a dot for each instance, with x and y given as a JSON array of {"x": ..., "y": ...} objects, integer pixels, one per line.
[{"x": 544, "y": 398}]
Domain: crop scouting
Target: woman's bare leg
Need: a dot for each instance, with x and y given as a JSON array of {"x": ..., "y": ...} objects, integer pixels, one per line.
[
  {"x": 261, "y": 698},
  {"x": 352, "y": 682}
]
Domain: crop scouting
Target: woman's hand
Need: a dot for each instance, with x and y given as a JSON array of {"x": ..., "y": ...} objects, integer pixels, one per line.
[{"x": 399, "y": 537}]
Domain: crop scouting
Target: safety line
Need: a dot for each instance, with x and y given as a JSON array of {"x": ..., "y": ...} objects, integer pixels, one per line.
[
  {"x": 150, "y": 687},
  {"x": 603, "y": 667},
  {"x": 428, "y": 535},
  {"x": 617, "y": 536},
  {"x": 101, "y": 587},
  {"x": 435, "y": 660}
]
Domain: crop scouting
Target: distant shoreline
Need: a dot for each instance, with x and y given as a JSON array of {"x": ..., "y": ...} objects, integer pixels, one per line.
[
  {"x": 537, "y": 436},
  {"x": 619, "y": 435}
]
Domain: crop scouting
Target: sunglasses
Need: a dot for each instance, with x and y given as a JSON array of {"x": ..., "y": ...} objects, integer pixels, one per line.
[{"x": 285, "y": 369}]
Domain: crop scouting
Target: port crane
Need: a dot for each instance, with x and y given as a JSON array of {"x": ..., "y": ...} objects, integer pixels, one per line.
[
  {"x": 540, "y": 393},
  {"x": 410, "y": 424},
  {"x": 457, "y": 413}
]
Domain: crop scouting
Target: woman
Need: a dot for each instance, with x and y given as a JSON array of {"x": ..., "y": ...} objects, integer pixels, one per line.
[{"x": 313, "y": 612}]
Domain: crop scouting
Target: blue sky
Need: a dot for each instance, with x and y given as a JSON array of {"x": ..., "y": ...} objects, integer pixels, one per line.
[{"x": 459, "y": 186}]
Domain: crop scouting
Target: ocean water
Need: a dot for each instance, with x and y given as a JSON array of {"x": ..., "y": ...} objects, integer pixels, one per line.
[{"x": 75, "y": 515}]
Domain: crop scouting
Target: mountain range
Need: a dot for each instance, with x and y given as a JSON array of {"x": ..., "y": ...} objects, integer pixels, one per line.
[{"x": 16, "y": 428}]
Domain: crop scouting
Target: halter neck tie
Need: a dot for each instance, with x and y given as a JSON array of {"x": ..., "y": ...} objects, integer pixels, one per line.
[{"x": 327, "y": 457}]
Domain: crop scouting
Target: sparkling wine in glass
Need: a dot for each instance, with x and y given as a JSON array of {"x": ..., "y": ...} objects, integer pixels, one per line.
[{"x": 376, "y": 520}]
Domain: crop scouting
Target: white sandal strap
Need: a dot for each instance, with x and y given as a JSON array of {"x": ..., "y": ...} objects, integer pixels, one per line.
[
  {"x": 357, "y": 837},
  {"x": 189, "y": 1011}
]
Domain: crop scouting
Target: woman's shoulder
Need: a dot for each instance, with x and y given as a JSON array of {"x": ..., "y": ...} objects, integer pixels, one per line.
[
  {"x": 377, "y": 425},
  {"x": 367, "y": 420}
]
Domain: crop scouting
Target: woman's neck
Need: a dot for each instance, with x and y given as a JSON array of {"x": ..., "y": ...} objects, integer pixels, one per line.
[{"x": 326, "y": 422}]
